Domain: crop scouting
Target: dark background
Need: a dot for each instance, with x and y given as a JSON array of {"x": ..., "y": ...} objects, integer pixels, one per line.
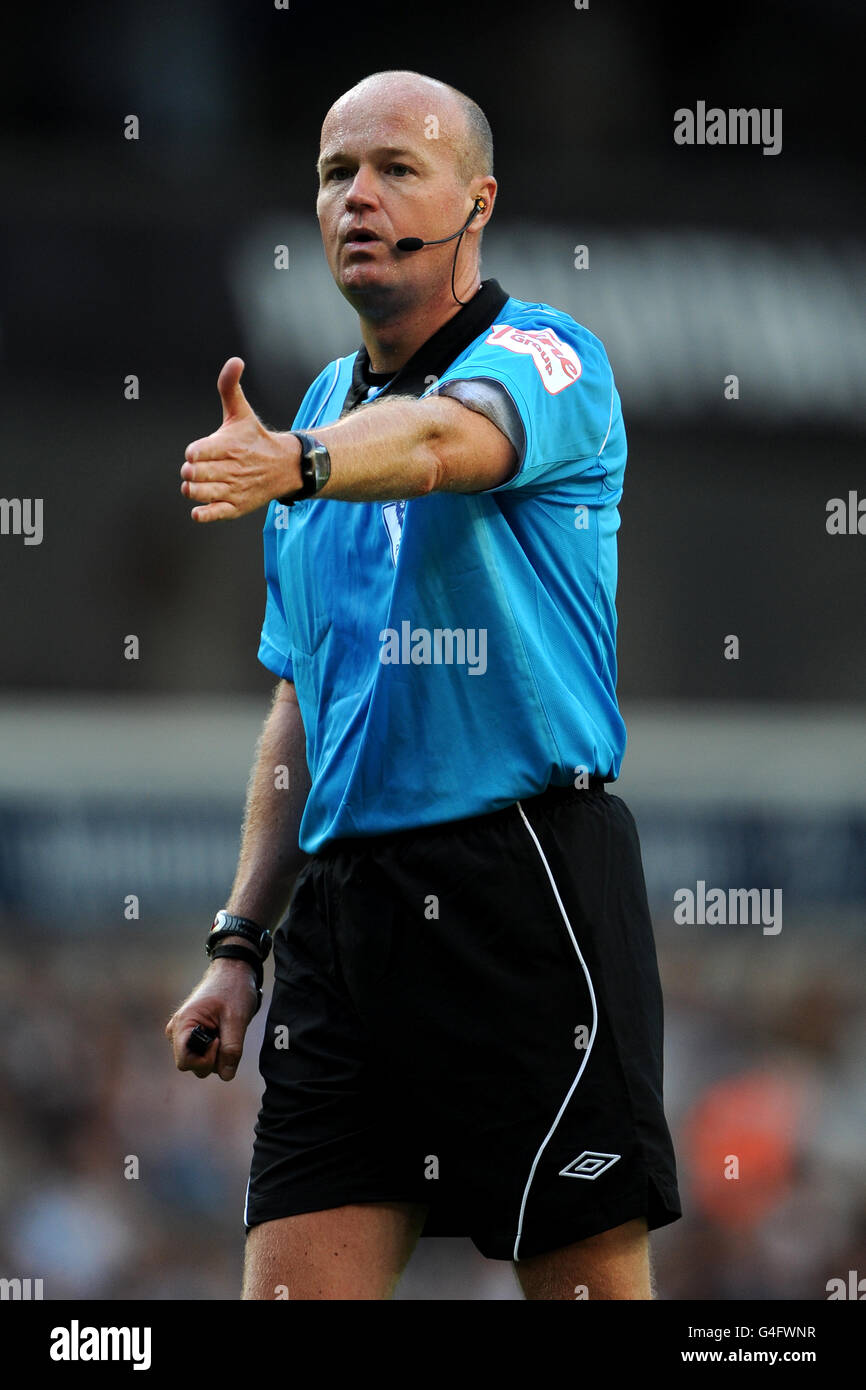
[{"x": 117, "y": 257}]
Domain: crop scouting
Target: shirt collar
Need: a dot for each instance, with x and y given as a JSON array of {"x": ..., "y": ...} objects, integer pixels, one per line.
[{"x": 434, "y": 356}]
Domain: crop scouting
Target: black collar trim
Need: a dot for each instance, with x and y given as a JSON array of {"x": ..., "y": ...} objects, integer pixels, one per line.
[{"x": 434, "y": 357}]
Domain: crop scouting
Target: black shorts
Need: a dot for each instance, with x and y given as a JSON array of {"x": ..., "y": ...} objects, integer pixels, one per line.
[{"x": 469, "y": 1015}]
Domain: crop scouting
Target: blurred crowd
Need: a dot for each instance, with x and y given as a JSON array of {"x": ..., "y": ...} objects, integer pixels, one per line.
[{"x": 121, "y": 1178}]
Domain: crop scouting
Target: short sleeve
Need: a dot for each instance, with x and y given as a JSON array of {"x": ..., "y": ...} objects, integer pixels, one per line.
[
  {"x": 274, "y": 646},
  {"x": 559, "y": 379}
]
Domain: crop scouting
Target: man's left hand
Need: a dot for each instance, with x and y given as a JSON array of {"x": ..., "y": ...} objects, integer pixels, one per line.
[{"x": 243, "y": 466}]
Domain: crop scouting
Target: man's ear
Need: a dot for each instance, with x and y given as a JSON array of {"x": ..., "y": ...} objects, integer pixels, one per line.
[{"x": 485, "y": 188}]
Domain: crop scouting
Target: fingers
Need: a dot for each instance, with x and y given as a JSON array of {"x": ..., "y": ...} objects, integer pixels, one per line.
[
  {"x": 223, "y": 1056},
  {"x": 213, "y": 500},
  {"x": 219, "y": 498},
  {"x": 212, "y": 448},
  {"x": 238, "y": 468},
  {"x": 178, "y": 1030},
  {"x": 216, "y": 511},
  {"x": 201, "y": 1064},
  {"x": 231, "y": 1049},
  {"x": 206, "y": 489},
  {"x": 224, "y": 1003}
]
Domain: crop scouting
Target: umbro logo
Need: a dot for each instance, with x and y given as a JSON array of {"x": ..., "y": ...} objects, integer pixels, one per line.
[{"x": 589, "y": 1165}]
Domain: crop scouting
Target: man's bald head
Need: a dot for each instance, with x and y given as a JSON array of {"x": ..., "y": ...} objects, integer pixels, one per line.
[
  {"x": 401, "y": 156},
  {"x": 460, "y": 122}
]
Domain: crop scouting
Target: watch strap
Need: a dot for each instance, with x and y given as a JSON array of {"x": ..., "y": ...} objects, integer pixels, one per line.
[
  {"x": 229, "y": 924},
  {"x": 315, "y": 467}
]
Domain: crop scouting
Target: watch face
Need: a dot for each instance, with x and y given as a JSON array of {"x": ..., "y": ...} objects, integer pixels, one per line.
[{"x": 321, "y": 465}]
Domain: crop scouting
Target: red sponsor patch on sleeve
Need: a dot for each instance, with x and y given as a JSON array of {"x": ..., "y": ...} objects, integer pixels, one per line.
[{"x": 556, "y": 362}]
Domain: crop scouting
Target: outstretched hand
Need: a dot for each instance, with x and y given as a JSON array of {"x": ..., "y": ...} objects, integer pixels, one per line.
[{"x": 243, "y": 465}]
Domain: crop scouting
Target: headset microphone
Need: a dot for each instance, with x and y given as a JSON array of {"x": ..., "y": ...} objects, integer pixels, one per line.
[{"x": 414, "y": 243}]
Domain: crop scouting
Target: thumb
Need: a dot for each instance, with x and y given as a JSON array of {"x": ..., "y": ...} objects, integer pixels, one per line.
[{"x": 234, "y": 401}]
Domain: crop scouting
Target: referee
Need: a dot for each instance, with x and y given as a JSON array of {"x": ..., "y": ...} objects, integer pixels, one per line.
[{"x": 465, "y": 1033}]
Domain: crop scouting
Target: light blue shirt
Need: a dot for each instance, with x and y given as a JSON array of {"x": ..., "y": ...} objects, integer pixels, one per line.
[{"x": 456, "y": 652}]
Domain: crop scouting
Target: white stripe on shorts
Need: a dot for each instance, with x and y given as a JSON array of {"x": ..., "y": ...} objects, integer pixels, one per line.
[{"x": 588, "y": 1049}]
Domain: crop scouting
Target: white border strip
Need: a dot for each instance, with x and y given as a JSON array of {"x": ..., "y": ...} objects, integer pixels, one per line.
[
  {"x": 610, "y": 420},
  {"x": 247, "y": 1200},
  {"x": 535, "y": 1161},
  {"x": 337, "y": 367}
]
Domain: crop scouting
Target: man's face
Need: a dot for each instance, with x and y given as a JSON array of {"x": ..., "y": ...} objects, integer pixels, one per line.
[{"x": 380, "y": 179}]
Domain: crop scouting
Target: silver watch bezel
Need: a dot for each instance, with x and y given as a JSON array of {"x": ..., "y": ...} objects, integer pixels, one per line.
[{"x": 321, "y": 461}]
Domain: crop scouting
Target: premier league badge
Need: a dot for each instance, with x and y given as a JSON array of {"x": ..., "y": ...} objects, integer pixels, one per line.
[{"x": 392, "y": 515}]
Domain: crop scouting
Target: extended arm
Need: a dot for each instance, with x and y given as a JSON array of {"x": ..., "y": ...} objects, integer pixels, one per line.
[
  {"x": 405, "y": 448},
  {"x": 398, "y": 448}
]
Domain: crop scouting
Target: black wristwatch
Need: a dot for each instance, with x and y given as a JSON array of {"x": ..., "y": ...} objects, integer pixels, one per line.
[
  {"x": 227, "y": 924},
  {"x": 315, "y": 468}
]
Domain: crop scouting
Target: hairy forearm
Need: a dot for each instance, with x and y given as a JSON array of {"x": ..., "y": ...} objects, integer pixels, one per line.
[
  {"x": 269, "y": 857},
  {"x": 385, "y": 452},
  {"x": 390, "y": 450}
]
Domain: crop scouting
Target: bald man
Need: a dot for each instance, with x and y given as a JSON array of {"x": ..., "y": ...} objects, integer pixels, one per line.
[{"x": 465, "y": 1032}]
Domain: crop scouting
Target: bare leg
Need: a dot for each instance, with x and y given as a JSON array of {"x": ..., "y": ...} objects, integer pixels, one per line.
[
  {"x": 352, "y": 1252},
  {"x": 612, "y": 1265}
]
